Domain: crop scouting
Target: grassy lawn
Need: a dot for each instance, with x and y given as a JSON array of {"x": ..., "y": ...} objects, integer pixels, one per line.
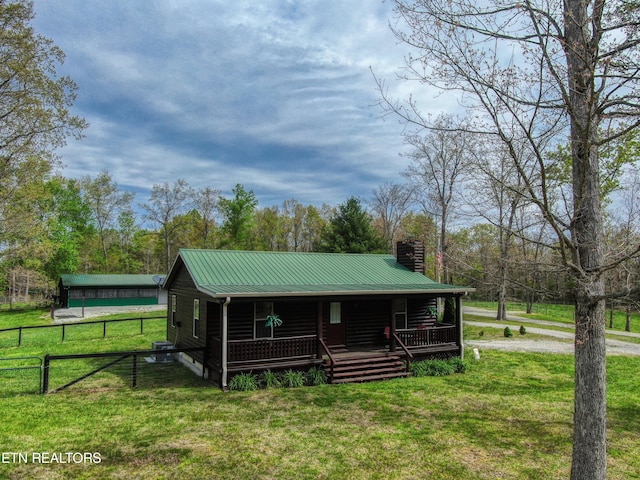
[
  {"x": 473, "y": 332},
  {"x": 79, "y": 338},
  {"x": 78, "y": 334},
  {"x": 509, "y": 416},
  {"x": 22, "y": 317},
  {"x": 559, "y": 313}
]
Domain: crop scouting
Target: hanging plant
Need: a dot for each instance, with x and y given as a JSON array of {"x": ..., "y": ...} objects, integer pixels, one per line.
[{"x": 273, "y": 320}]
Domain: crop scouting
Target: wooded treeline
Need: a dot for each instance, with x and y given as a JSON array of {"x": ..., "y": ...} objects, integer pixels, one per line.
[
  {"x": 90, "y": 225},
  {"x": 478, "y": 213}
]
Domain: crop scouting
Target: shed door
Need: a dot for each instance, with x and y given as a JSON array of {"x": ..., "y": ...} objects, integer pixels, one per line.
[{"x": 336, "y": 331}]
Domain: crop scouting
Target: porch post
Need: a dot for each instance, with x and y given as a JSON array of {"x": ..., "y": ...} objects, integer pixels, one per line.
[
  {"x": 225, "y": 330},
  {"x": 319, "y": 331},
  {"x": 392, "y": 328},
  {"x": 459, "y": 324}
]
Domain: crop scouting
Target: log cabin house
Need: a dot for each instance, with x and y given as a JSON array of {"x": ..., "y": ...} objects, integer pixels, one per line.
[{"x": 362, "y": 316}]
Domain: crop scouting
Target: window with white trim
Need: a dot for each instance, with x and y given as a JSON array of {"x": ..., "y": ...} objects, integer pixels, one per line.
[
  {"x": 196, "y": 317},
  {"x": 261, "y": 311},
  {"x": 335, "y": 313},
  {"x": 174, "y": 309}
]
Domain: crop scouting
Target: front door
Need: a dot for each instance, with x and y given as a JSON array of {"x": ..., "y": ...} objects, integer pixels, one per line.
[{"x": 336, "y": 331}]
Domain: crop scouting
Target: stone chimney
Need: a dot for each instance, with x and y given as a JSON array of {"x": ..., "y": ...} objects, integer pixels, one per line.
[{"x": 410, "y": 254}]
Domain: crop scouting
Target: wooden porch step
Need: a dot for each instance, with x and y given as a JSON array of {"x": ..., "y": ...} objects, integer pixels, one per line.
[
  {"x": 369, "y": 368},
  {"x": 370, "y": 371},
  {"x": 371, "y": 378},
  {"x": 348, "y": 366},
  {"x": 379, "y": 358}
]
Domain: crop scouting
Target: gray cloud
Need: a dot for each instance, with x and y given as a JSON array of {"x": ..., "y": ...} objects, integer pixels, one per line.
[{"x": 276, "y": 95}]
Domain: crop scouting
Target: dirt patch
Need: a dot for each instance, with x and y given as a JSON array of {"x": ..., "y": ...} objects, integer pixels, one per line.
[{"x": 78, "y": 314}]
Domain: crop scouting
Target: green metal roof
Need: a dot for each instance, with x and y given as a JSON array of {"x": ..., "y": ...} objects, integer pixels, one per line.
[
  {"x": 99, "y": 280},
  {"x": 222, "y": 273}
]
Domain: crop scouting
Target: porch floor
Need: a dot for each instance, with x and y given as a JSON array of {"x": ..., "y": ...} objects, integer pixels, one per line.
[
  {"x": 364, "y": 351},
  {"x": 360, "y": 351}
]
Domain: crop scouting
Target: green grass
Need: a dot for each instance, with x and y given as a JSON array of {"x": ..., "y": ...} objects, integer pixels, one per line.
[
  {"x": 509, "y": 416},
  {"x": 559, "y": 313},
  {"x": 51, "y": 337},
  {"x": 79, "y": 338},
  {"x": 24, "y": 317},
  {"x": 473, "y": 332},
  {"x": 547, "y": 311}
]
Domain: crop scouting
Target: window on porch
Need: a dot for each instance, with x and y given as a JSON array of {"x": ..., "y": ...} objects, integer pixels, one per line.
[
  {"x": 196, "y": 317},
  {"x": 261, "y": 311},
  {"x": 400, "y": 312},
  {"x": 174, "y": 308},
  {"x": 335, "y": 315}
]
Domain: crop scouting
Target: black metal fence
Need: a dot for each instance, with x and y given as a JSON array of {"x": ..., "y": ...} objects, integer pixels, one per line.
[
  {"x": 99, "y": 371},
  {"x": 15, "y": 335},
  {"x": 21, "y": 375}
]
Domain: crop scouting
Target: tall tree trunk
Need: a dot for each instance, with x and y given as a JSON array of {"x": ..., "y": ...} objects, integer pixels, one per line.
[
  {"x": 627, "y": 323},
  {"x": 501, "y": 314},
  {"x": 611, "y": 312},
  {"x": 530, "y": 299},
  {"x": 590, "y": 411},
  {"x": 589, "y": 460},
  {"x": 506, "y": 232}
]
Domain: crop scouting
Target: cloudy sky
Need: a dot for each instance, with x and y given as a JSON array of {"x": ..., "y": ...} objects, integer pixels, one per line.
[{"x": 277, "y": 95}]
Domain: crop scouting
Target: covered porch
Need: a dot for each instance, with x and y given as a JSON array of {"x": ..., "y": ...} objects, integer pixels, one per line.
[{"x": 363, "y": 343}]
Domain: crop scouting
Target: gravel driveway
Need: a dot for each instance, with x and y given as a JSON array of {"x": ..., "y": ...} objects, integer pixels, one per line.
[{"x": 564, "y": 344}]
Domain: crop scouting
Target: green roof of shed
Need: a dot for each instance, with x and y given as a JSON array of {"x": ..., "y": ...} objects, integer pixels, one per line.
[
  {"x": 105, "y": 281},
  {"x": 222, "y": 273}
]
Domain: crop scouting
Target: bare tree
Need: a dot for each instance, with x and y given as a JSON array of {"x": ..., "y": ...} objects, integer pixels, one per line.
[
  {"x": 391, "y": 202},
  {"x": 106, "y": 202},
  {"x": 294, "y": 214},
  {"x": 537, "y": 73},
  {"x": 165, "y": 204},
  {"x": 206, "y": 202},
  {"x": 438, "y": 164},
  {"x": 623, "y": 235}
]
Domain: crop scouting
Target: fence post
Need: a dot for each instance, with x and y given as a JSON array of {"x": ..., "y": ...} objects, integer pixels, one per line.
[
  {"x": 45, "y": 375},
  {"x": 134, "y": 372},
  {"x": 141, "y": 326},
  {"x": 20, "y": 337},
  {"x": 63, "y": 332},
  {"x": 41, "y": 372}
]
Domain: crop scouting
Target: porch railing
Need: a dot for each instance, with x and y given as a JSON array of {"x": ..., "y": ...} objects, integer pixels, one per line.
[
  {"x": 425, "y": 337},
  {"x": 305, "y": 347},
  {"x": 409, "y": 355},
  {"x": 253, "y": 350},
  {"x": 332, "y": 360}
]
